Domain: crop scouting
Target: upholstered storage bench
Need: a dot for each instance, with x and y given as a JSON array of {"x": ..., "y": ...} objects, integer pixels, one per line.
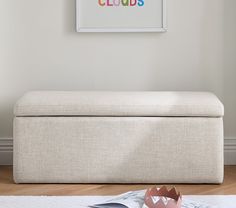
[{"x": 118, "y": 137}]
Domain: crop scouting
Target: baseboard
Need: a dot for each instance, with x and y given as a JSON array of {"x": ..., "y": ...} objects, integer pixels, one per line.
[
  {"x": 230, "y": 151},
  {"x": 6, "y": 150}
]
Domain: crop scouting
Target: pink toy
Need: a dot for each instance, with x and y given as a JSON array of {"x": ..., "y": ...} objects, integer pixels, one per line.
[{"x": 164, "y": 198}]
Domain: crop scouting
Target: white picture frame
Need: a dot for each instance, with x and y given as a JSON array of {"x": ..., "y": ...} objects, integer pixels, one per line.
[{"x": 82, "y": 27}]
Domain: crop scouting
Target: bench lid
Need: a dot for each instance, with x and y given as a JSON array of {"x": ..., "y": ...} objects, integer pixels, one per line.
[{"x": 84, "y": 103}]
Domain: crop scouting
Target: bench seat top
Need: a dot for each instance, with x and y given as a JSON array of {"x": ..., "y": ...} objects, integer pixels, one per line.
[{"x": 101, "y": 103}]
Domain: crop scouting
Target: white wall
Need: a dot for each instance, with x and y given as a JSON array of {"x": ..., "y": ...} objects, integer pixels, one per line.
[
  {"x": 229, "y": 75},
  {"x": 39, "y": 49}
]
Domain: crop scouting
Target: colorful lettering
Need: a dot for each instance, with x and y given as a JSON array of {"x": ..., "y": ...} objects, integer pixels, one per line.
[
  {"x": 108, "y": 3},
  {"x": 133, "y": 2},
  {"x": 141, "y": 2},
  {"x": 125, "y": 2},
  {"x": 100, "y": 3},
  {"x": 116, "y": 3}
]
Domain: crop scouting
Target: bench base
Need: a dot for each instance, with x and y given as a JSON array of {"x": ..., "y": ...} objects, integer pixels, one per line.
[{"x": 118, "y": 150}]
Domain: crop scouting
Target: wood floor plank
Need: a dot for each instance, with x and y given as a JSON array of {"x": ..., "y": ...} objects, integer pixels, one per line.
[{"x": 8, "y": 187}]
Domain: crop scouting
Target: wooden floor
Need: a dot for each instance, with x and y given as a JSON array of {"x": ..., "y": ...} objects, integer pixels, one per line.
[{"x": 7, "y": 186}]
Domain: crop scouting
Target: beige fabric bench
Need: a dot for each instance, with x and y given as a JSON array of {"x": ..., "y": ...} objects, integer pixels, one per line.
[{"x": 118, "y": 137}]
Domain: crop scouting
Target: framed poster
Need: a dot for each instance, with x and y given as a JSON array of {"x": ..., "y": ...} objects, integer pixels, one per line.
[{"x": 121, "y": 15}]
